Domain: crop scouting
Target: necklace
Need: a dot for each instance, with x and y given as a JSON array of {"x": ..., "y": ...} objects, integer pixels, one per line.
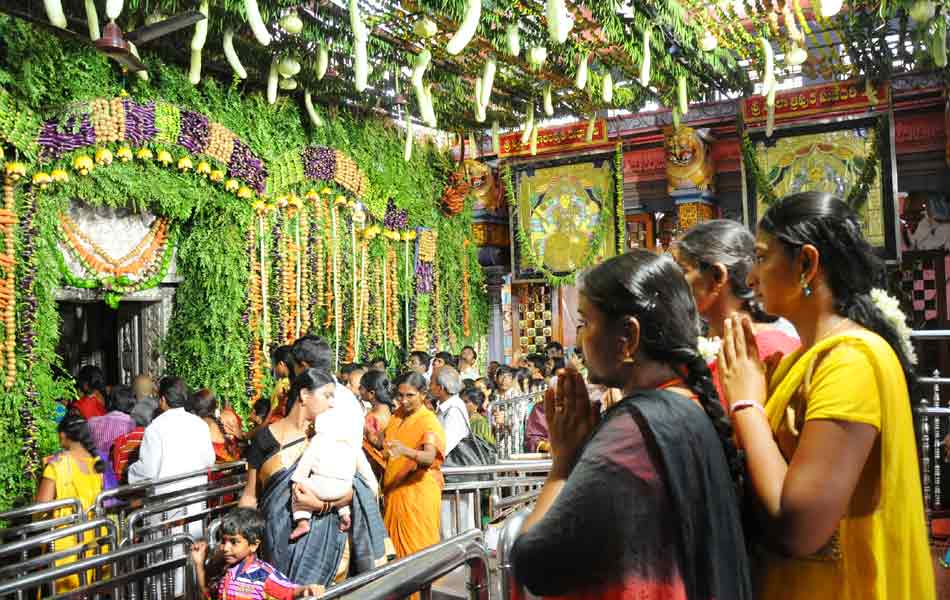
[{"x": 837, "y": 326}]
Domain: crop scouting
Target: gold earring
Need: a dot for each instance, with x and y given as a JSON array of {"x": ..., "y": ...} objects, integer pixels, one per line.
[{"x": 629, "y": 360}]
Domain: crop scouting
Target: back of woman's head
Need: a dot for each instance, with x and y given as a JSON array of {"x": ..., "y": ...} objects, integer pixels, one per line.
[
  {"x": 652, "y": 289},
  {"x": 122, "y": 399},
  {"x": 204, "y": 404},
  {"x": 473, "y": 395},
  {"x": 309, "y": 379},
  {"x": 414, "y": 380},
  {"x": 90, "y": 378},
  {"x": 75, "y": 428},
  {"x": 284, "y": 354},
  {"x": 378, "y": 383},
  {"x": 850, "y": 266},
  {"x": 730, "y": 244}
]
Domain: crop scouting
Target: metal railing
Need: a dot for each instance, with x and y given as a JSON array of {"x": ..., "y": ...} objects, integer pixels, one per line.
[
  {"x": 507, "y": 484},
  {"x": 510, "y": 438},
  {"x": 930, "y": 431},
  {"x": 417, "y": 573},
  {"x": 24, "y": 522},
  {"x": 128, "y": 578},
  {"x": 506, "y": 541}
]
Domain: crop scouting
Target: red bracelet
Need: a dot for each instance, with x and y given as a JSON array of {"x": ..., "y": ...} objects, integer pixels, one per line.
[{"x": 741, "y": 404}]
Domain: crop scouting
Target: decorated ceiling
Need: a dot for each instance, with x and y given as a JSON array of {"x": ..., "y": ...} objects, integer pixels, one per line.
[{"x": 476, "y": 64}]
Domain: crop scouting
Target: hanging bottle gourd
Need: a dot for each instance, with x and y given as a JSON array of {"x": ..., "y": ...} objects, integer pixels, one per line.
[
  {"x": 143, "y": 74},
  {"x": 580, "y": 78},
  {"x": 488, "y": 81},
  {"x": 425, "y": 28},
  {"x": 360, "y": 55},
  {"x": 548, "y": 101},
  {"x": 537, "y": 56},
  {"x": 272, "y": 78},
  {"x": 231, "y": 55},
  {"x": 466, "y": 30},
  {"x": 291, "y": 23},
  {"x": 407, "y": 153},
  {"x": 113, "y": 9},
  {"x": 528, "y": 125},
  {"x": 513, "y": 39},
  {"x": 709, "y": 42},
  {"x": 559, "y": 21},
  {"x": 92, "y": 19},
  {"x": 254, "y": 19},
  {"x": 591, "y": 124},
  {"x": 534, "y": 140},
  {"x": 198, "y": 43},
  {"x": 323, "y": 61},
  {"x": 426, "y": 112},
  {"x": 682, "y": 94},
  {"x": 311, "y": 111},
  {"x": 495, "y": 138},
  {"x": 645, "y": 63},
  {"x": 54, "y": 12},
  {"x": 770, "y": 117},
  {"x": 768, "y": 68},
  {"x": 607, "y": 88},
  {"x": 939, "y": 43}
]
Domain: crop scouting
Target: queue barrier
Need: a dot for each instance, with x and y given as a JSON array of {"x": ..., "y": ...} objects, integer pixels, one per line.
[
  {"x": 510, "y": 436},
  {"x": 124, "y": 574},
  {"x": 38, "y": 518}
]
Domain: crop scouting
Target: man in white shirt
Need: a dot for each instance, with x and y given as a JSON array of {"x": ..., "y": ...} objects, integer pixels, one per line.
[
  {"x": 445, "y": 387},
  {"x": 174, "y": 443},
  {"x": 467, "y": 367}
]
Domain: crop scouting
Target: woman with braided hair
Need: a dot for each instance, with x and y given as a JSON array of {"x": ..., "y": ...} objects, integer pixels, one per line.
[
  {"x": 75, "y": 472},
  {"x": 223, "y": 425},
  {"x": 828, "y": 433},
  {"x": 643, "y": 503}
]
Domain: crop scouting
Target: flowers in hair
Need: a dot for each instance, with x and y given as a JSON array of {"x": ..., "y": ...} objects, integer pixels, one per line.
[
  {"x": 709, "y": 348},
  {"x": 891, "y": 308}
]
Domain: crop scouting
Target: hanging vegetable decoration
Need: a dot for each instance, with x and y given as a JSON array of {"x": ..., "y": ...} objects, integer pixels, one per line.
[
  {"x": 513, "y": 40},
  {"x": 54, "y": 12},
  {"x": 198, "y": 43},
  {"x": 548, "y": 102},
  {"x": 495, "y": 138},
  {"x": 426, "y": 112},
  {"x": 488, "y": 81},
  {"x": 311, "y": 111},
  {"x": 645, "y": 64},
  {"x": 682, "y": 94},
  {"x": 113, "y": 9},
  {"x": 537, "y": 56},
  {"x": 360, "y": 54},
  {"x": 466, "y": 30},
  {"x": 580, "y": 78},
  {"x": 607, "y": 89},
  {"x": 528, "y": 125},
  {"x": 291, "y": 23},
  {"x": 258, "y": 28},
  {"x": 272, "y": 79},
  {"x": 425, "y": 28},
  {"x": 92, "y": 19},
  {"x": 559, "y": 21},
  {"x": 323, "y": 60}
]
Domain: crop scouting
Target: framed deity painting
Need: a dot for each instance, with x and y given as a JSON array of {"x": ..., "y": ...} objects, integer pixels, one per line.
[
  {"x": 563, "y": 219},
  {"x": 832, "y": 157}
]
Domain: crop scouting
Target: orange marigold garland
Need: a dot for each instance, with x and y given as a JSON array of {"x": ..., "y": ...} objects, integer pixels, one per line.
[
  {"x": 98, "y": 260},
  {"x": 8, "y": 222},
  {"x": 303, "y": 272},
  {"x": 254, "y": 312}
]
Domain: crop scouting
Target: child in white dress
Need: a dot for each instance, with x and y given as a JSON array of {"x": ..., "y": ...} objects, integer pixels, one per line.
[{"x": 326, "y": 468}]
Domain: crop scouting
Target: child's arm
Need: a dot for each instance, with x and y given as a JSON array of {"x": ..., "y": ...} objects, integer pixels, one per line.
[
  {"x": 310, "y": 591},
  {"x": 199, "y": 552}
]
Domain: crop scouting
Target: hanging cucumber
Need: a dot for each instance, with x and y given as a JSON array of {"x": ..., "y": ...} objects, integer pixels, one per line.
[
  {"x": 92, "y": 20},
  {"x": 495, "y": 138},
  {"x": 591, "y": 124},
  {"x": 201, "y": 28},
  {"x": 231, "y": 54},
  {"x": 580, "y": 78},
  {"x": 479, "y": 105},
  {"x": 528, "y": 125},
  {"x": 513, "y": 39},
  {"x": 770, "y": 118},
  {"x": 311, "y": 111},
  {"x": 682, "y": 94},
  {"x": 607, "y": 88},
  {"x": 466, "y": 30},
  {"x": 323, "y": 61},
  {"x": 54, "y": 12},
  {"x": 645, "y": 63},
  {"x": 548, "y": 101},
  {"x": 534, "y": 140},
  {"x": 272, "y": 79},
  {"x": 254, "y": 19}
]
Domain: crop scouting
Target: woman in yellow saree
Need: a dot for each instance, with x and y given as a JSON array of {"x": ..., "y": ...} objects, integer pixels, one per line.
[
  {"x": 76, "y": 472},
  {"x": 829, "y": 437},
  {"x": 412, "y": 483}
]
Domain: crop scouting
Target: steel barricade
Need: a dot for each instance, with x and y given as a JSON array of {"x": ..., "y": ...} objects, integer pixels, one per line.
[
  {"x": 38, "y": 553},
  {"x": 499, "y": 482},
  {"x": 23, "y": 522},
  {"x": 510, "y": 438},
  {"x": 419, "y": 571},
  {"x": 510, "y": 589},
  {"x": 118, "y": 503},
  {"x": 127, "y": 579}
]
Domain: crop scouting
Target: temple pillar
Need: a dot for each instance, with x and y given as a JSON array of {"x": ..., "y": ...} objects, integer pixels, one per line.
[{"x": 494, "y": 280}]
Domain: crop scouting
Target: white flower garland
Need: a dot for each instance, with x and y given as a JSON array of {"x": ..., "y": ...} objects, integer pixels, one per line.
[
  {"x": 709, "y": 348},
  {"x": 891, "y": 308}
]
